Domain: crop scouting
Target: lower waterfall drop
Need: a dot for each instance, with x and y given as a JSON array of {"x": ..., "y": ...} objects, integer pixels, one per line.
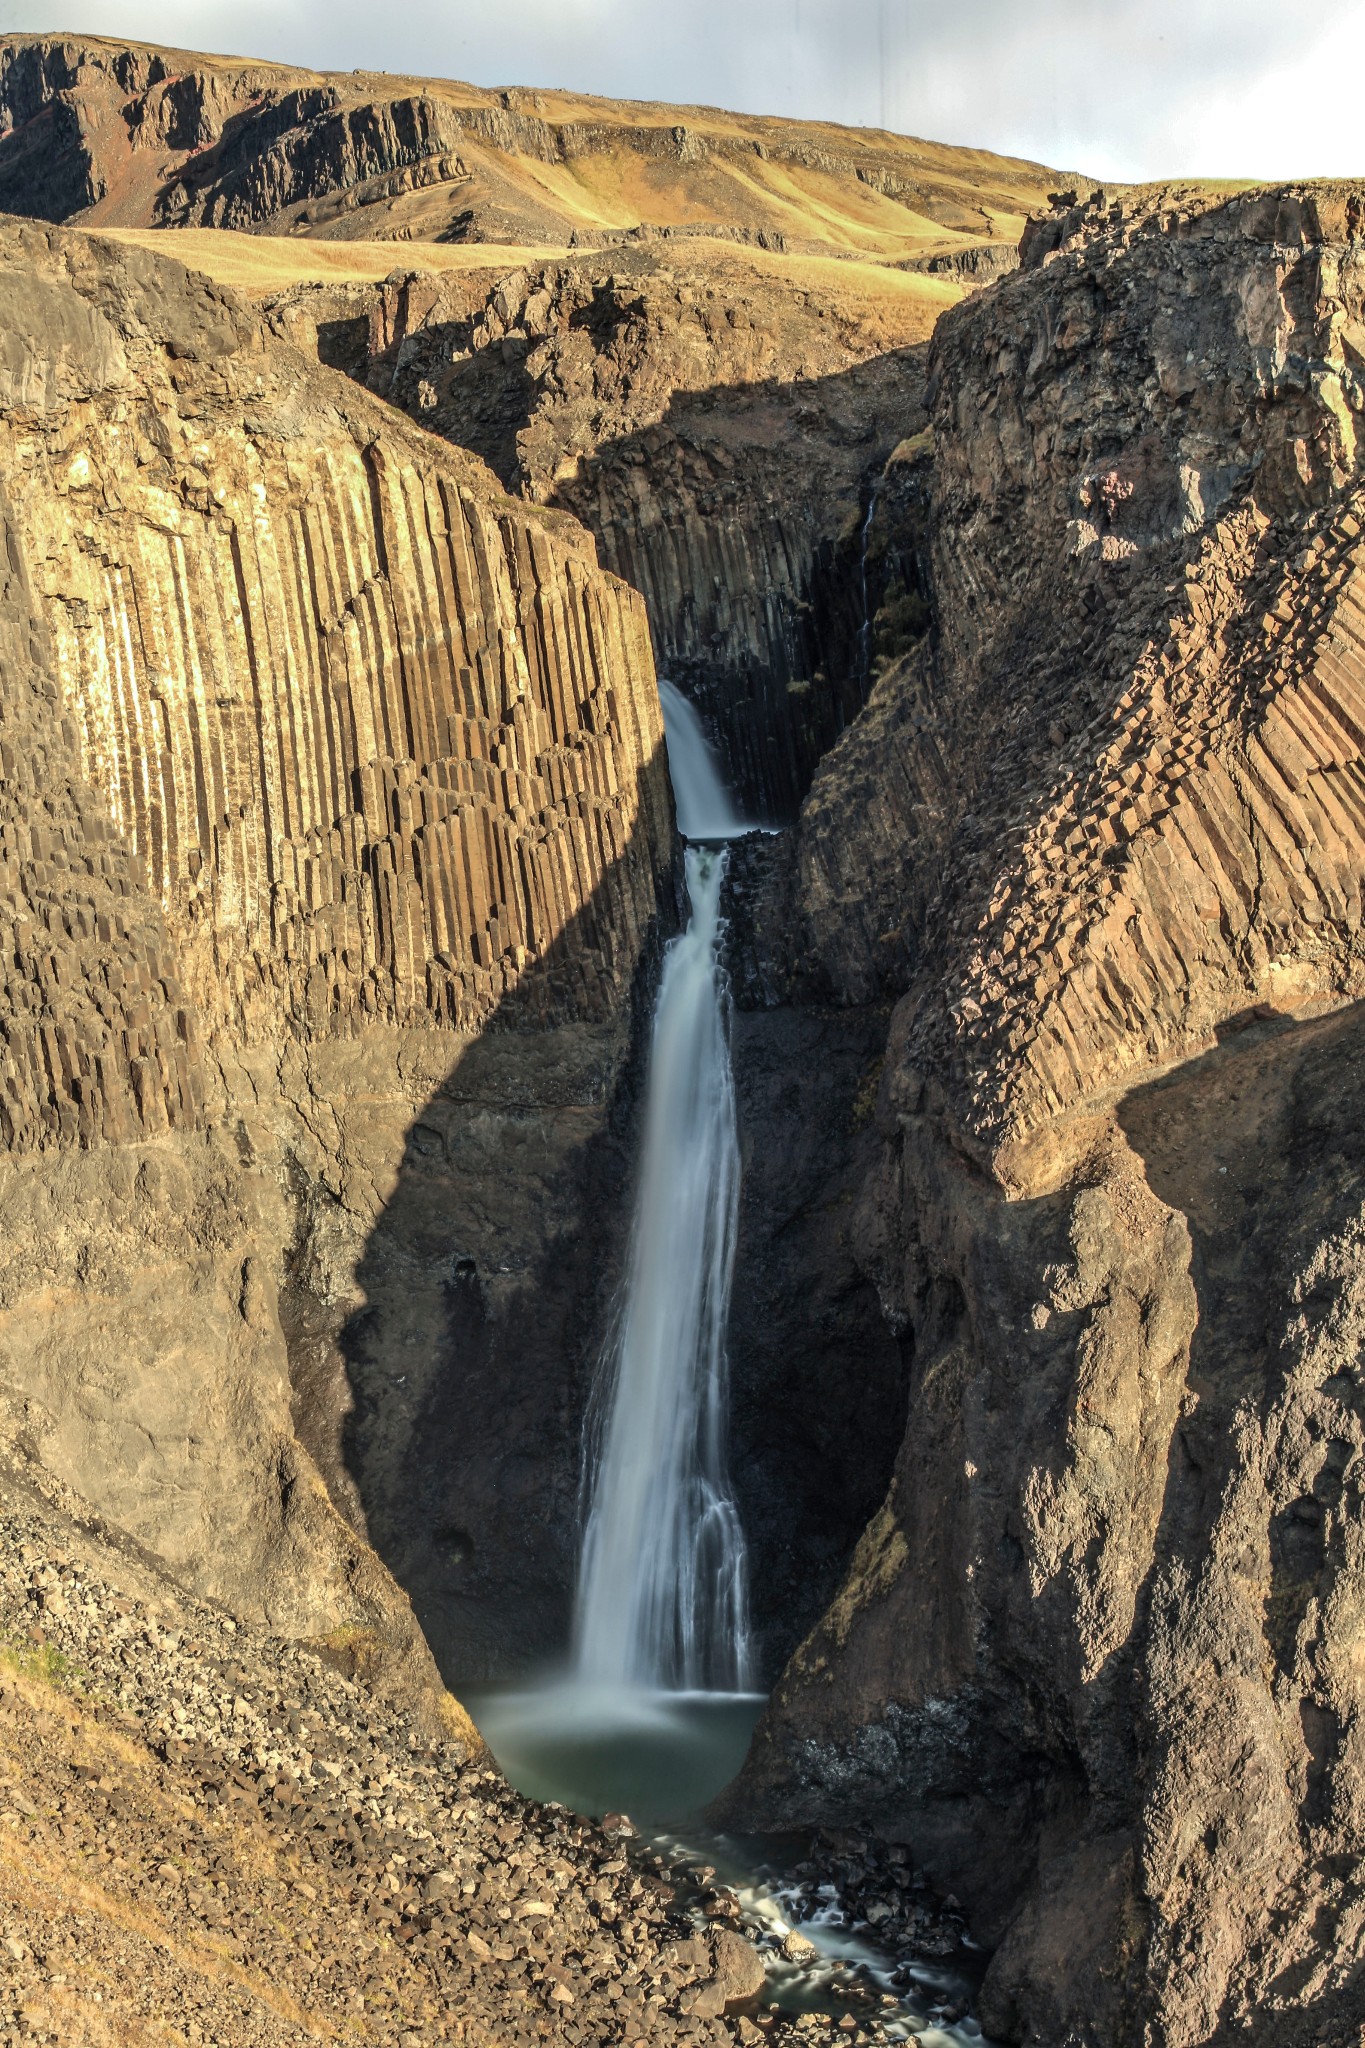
[
  {"x": 662, "y": 1595},
  {"x": 655, "y": 1708},
  {"x": 655, "y": 1711}
]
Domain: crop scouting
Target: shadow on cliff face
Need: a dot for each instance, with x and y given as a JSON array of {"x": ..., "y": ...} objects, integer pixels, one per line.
[
  {"x": 446, "y": 1413},
  {"x": 738, "y": 513},
  {"x": 1260, "y": 1145},
  {"x": 747, "y": 550}
]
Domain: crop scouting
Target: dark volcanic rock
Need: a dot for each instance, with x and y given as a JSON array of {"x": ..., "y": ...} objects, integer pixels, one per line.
[{"x": 1093, "y": 1658}]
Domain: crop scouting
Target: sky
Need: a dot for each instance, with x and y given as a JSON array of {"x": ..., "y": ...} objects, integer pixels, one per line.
[{"x": 1121, "y": 89}]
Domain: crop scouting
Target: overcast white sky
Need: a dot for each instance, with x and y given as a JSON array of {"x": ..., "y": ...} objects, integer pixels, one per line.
[{"x": 1119, "y": 88}]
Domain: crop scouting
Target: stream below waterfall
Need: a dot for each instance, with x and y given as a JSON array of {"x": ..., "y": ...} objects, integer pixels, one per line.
[{"x": 653, "y": 1714}]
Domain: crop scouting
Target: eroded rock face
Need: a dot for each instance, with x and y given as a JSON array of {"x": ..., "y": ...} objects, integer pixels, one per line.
[
  {"x": 1094, "y": 1657},
  {"x": 359, "y": 852},
  {"x": 321, "y": 756},
  {"x": 718, "y": 429}
]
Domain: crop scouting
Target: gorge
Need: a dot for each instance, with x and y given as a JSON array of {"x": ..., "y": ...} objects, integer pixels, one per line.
[{"x": 380, "y": 461}]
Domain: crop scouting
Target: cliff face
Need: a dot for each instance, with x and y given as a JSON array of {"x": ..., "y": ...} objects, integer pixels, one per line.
[
  {"x": 319, "y": 753},
  {"x": 370, "y": 819},
  {"x": 1096, "y": 1653},
  {"x": 718, "y": 427},
  {"x": 338, "y": 849},
  {"x": 328, "y": 704},
  {"x": 713, "y": 398}
]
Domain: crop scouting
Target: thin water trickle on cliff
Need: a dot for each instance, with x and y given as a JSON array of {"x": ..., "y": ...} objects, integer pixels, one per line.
[{"x": 864, "y": 536}]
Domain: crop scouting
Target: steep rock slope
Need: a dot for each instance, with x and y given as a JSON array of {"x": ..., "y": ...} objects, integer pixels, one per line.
[
  {"x": 319, "y": 755},
  {"x": 208, "y": 1833},
  {"x": 1097, "y": 1654}
]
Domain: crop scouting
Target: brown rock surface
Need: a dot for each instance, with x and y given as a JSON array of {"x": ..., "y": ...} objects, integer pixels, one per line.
[
  {"x": 1092, "y": 1658},
  {"x": 709, "y": 375},
  {"x": 208, "y": 1833},
  {"x": 317, "y": 750},
  {"x": 716, "y": 424},
  {"x": 358, "y": 843},
  {"x": 337, "y": 845}
]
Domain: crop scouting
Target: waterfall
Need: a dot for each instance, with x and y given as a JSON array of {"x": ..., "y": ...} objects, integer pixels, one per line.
[
  {"x": 662, "y": 1592},
  {"x": 700, "y": 798}
]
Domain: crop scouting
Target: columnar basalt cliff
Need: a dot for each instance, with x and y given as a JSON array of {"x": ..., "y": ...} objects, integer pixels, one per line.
[
  {"x": 335, "y": 825},
  {"x": 705, "y": 386},
  {"x": 718, "y": 428},
  {"x": 371, "y": 733},
  {"x": 319, "y": 753},
  {"x": 1096, "y": 1654},
  {"x": 379, "y": 751}
]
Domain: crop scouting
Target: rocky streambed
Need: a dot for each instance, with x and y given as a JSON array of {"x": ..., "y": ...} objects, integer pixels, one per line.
[
  {"x": 211, "y": 1834},
  {"x": 838, "y": 1930}
]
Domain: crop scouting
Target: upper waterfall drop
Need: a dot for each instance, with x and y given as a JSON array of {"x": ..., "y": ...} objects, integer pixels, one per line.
[
  {"x": 662, "y": 1600},
  {"x": 704, "y": 807}
]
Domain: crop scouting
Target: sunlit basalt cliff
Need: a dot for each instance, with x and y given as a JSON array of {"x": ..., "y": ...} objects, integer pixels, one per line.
[
  {"x": 708, "y": 342},
  {"x": 317, "y": 749},
  {"x": 717, "y": 426}
]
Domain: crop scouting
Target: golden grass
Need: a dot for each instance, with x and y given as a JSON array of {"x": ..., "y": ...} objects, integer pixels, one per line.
[
  {"x": 857, "y": 281},
  {"x": 804, "y": 178},
  {"x": 270, "y": 262}
]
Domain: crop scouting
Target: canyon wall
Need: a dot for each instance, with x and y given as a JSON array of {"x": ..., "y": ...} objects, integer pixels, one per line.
[
  {"x": 321, "y": 757},
  {"x": 1101, "y": 832},
  {"x": 717, "y": 426},
  {"x": 376, "y": 755},
  {"x": 335, "y": 820},
  {"x": 700, "y": 376}
]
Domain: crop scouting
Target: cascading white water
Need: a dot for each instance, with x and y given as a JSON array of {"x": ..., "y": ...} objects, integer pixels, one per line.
[
  {"x": 662, "y": 1594},
  {"x": 700, "y": 798}
]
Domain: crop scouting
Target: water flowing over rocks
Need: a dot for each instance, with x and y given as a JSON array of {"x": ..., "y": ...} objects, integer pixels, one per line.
[{"x": 663, "y": 1593}]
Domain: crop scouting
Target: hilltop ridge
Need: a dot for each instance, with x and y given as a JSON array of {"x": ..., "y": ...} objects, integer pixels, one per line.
[{"x": 111, "y": 134}]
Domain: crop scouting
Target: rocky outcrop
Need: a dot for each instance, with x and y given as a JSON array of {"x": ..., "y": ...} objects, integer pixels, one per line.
[
  {"x": 312, "y": 768},
  {"x": 718, "y": 422},
  {"x": 1093, "y": 1658},
  {"x": 207, "y": 1829},
  {"x": 128, "y": 134},
  {"x": 330, "y": 709},
  {"x": 718, "y": 430}
]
